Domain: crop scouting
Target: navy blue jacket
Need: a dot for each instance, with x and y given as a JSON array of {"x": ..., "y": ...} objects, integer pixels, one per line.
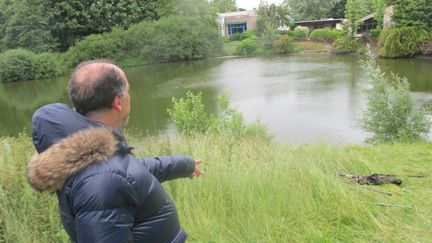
[{"x": 105, "y": 193}]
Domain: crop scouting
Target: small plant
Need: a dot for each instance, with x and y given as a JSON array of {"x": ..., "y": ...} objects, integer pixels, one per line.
[
  {"x": 346, "y": 44},
  {"x": 283, "y": 45},
  {"x": 189, "y": 115},
  {"x": 390, "y": 114}
]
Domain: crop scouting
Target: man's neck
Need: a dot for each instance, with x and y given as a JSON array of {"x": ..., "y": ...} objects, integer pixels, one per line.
[{"x": 103, "y": 117}]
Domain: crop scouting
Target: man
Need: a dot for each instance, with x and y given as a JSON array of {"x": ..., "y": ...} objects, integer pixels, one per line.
[{"x": 105, "y": 194}]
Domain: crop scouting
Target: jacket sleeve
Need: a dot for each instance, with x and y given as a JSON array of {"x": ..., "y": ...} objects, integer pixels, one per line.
[
  {"x": 103, "y": 205},
  {"x": 170, "y": 167}
]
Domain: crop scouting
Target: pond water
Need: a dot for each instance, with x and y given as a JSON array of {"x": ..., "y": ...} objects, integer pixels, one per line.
[{"x": 301, "y": 98}]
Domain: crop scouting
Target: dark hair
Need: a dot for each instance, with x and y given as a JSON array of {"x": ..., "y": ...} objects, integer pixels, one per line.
[{"x": 89, "y": 95}]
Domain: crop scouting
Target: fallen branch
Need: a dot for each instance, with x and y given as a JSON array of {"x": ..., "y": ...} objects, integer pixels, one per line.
[{"x": 379, "y": 191}]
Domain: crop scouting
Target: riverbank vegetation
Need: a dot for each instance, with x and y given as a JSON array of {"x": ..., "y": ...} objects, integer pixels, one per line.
[{"x": 255, "y": 190}]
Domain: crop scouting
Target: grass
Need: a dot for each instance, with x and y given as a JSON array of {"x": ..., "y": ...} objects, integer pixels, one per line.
[
  {"x": 255, "y": 191},
  {"x": 231, "y": 47}
]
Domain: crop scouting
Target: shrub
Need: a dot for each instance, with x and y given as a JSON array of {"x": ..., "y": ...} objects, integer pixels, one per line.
[
  {"x": 189, "y": 116},
  {"x": 283, "y": 45},
  {"x": 390, "y": 114},
  {"x": 235, "y": 37},
  {"x": 402, "y": 42},
  {"x": 345, "y": 44},
  {"x": 96, "y": 46},
  {"x": 300, "y": 33},
  {"x": 21, "y": 64},
  {"x": 247, "y": 46},
  {"x": 326, "y": 34},
  {"x": 375, "y": 33},
  {"x": 174, "y": 38}
]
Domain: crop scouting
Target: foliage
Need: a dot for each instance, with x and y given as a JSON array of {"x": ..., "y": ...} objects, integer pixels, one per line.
[
  {"x": 299, "y": 33},
  {"x": 189, "y": 114},
  {"x": 375, "y": 33},
  {"x": 190, "y": 117},
  {"x": 314, "y": 10},
  {"x": 271, "y": 16},
  {"x": 390, "y": 114},
  {"x": 20, "y": 64},
  {"x": 337, "y": 11},
  {"x": 96, "y": 46},
  {"x": 223, "y": 6},
  {"x": 403, "y": 42},
  {"x": 346, "y": 44},
  {"x": 283, "y": 45},
  {"x": 355, "y": 10},
  {"x": 247, "y": 46},
  {"x": 27, "y": 26},
  {"x": 379, "y": 7},
  {"x": 236, "y": 37},
  {"x": 173, "y": 39},
  {"x": 413, "y": 13},
  {"x": 325, "y": 34},
  {"x": 293, "y": 191}
]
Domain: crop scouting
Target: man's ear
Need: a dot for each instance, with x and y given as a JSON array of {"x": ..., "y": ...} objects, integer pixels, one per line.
[{"x": 117, "y": 104}]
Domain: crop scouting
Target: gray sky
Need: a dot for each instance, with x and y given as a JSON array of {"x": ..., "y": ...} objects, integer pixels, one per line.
[{"x": 250, "y": 4}]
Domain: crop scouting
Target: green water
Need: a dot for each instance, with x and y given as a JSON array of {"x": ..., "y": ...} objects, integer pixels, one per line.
[{"x": 301, "y": 98}]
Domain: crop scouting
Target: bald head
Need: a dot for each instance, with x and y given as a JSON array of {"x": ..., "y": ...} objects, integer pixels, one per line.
[{"x": 94, "y": 85}]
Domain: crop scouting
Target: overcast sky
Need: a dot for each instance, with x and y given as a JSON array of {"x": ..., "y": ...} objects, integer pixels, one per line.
[{"x": 250, "y": 4}]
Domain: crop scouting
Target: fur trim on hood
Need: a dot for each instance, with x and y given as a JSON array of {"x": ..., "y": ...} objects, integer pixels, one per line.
[{"x": 49, "y": 170}]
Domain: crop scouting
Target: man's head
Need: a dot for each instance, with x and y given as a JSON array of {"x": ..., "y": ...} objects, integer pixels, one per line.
[{"x": 100, "y": 90}]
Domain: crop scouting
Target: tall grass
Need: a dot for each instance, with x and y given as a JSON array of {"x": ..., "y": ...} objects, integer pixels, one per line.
[{"x": 255, "y": 190}]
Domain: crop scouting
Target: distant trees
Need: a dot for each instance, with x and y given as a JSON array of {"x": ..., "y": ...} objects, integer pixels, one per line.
[
  {"x": 413, "y": 13},
  {"x": 223, "y": 6},
  {"x": 272, "y": 16},
  {"x": 355, "y": 10},
  {"x": 316, "y": 9}
]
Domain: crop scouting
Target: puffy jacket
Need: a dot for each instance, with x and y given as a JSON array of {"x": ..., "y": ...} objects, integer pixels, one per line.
[{"x": 105, "y": 193}]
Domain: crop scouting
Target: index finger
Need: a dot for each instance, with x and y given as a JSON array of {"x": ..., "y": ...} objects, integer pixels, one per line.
[{"x": 198, "y": 161}]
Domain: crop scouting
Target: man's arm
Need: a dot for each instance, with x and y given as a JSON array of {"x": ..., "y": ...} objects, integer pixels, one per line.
[
  {"x": 103, "y": 205},
  {"x": 172, "y": 167}
]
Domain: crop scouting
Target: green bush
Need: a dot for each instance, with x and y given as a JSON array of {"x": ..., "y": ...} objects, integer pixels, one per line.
[
  {"x": 247, "y": 46},
  {"x": 346, "y": 44},
  {"x": 375, "y": 33},
  {"x": 236, "y": 37},
  {"x": 326, "y": 34},
  {"x": 21, "y": 64},
  {"x": 300, "y": 33},
  {"x": 283, "y": 45},
  {"x": 190, "y": 117},
  {"x": 390, "y": 114},
  {"x": 173, "y": 38},
  {"x": 108, "y": 45},
  {"x": 403, "y": 42}
]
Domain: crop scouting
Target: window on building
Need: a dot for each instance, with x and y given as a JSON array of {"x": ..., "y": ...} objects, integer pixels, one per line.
[{"x": 236, "y": 28}]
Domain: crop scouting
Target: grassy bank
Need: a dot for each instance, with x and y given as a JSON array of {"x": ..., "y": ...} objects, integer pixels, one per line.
[{"x": 255, "y": 191}]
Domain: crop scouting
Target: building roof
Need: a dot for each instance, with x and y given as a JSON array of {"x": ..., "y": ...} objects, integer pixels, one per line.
[{"x": 319, "y": 21}]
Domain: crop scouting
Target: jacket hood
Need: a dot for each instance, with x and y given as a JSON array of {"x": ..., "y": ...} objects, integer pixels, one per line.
[
  {"x": 66, "y": 142},
  {"x": 49, "y": 170}
]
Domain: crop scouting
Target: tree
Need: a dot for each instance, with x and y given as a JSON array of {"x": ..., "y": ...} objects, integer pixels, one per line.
[
  {"x": 338, "y": 9},
  {"x": 413, "y": 13},
  {"x": 313, "y": 9},
  {"x": 355, "y": 10},
  {"x": 272, "y": 16},
  {"x": 379, "y": 7},
  {"x": 28, "y": 26},
  {"x": 223, "y": 6}
]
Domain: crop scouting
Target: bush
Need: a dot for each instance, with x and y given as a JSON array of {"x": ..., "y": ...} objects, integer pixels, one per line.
[
  {"x": 248, "y": 46},
  {"x": 402, "y": 42},
  {"x": 189, "y": 117},
  {"x": 326, "y": 34},
  {"x": 283, "y": 45},
  {"x": 300, "y": 33},
  {"x": 21, "y": 64},
  {"x": 174, "y": 38},
  {"x": 236, "y": 37},
  {"x": 345, "y": 44},
  {"x": 375, "y": 33},
  {"x": 390, "y": 113},
  {"x": 96, "y": 46}
]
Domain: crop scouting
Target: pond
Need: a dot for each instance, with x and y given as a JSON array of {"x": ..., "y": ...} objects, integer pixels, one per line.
[{"x": 301, "y": 98}]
